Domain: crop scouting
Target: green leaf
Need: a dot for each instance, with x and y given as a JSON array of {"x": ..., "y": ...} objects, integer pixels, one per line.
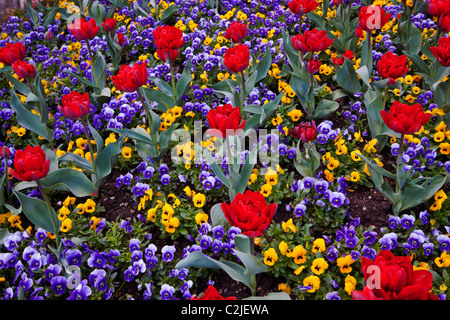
[
  {"x": 28, "y": 119},
  {"x": 263, "y": 66},
  {"x": 324, "y": 109},
  {"x": 106, "y": 159},
  {"x": 366, "y": 53},
  {"x": 217, "y": 215},
  {"x": 199, "y": 260},
  {"x": 38, "y": 212},
  {"x": 184, "y": 81},
  {"x": 78, "y": 160},
  {"x": 347, "y": 77},
  {"x": 67, "y": 179},
  {"x": 162, "y": 85},
  {"x": 217, "y": 171},
  {"x": 170, "y": 11},
  {"x": 20, "y": 86},
  {"x": 163, "y": 100}
]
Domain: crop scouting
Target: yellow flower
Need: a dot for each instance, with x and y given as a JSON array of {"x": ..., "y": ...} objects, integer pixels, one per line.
[
  {"x": 151, "y": 214},
  {"x": 68, "y": 201},
  {"x": 355, "y": 156},
  {"x": 284, "y": 249},
  {"x": 319, "y": 266},
  {"x": 266, "y": 190},
  {"x": 440, "y": 196},
  {"x": 332, "y": 163},
  {"x": 312, "y": 281},
  {"x": 63, "y": 212},
  {"x": 126, "y": 152},
  {"x": 439, "y": 136},
  {"x": 295, "y": 115},
  {"x": 284, "y": 287},
  {"x": 271, "y": 177},
  {"x": 199, "y": 200},
  {"x": 443, "y": 260},
  {"x": 444, "y": 148},
  {"x": 344, "y": 263},
  {"x": 329, "y": 175},
  {"x": 270, "y": 257},
  {"x": 318, "y": 245},
  {"x": 89, "y": 206},
  {"x": 355, "y": 176},
  {"x": 299, "y": 254},
  {"x": 277, "y": 120},
  {"x": 350, "y": 284},
  {"x": 201, "y": 218},
  {"x": 66, "y": 225},
  {"x": 172, "y": 224},
  {"x": 252, "y": 178},
  {"x": 289, "y": 225}
]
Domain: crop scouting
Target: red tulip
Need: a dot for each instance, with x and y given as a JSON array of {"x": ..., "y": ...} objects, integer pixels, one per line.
[
  {"x": 121, "y": 39},
  {"x": 437, "y": 8},
  {"x": 250, "y": 213},
  {"x": 12, "y": 52},
  {"x": 129, "y": 79},
  {"x": 392, "y": 66},
  {"x": 168, "y": 40},
  {"x": 83, "y": 30},
  {"x": 236, "y": 32},
  {"x": 30, "y": 164},
  {"x": 109, "y": 24},
  {"x": 311, "y": 41},
  {"x": 5, "y": 152},
  {"x": 405, "y": 119},
  {"x": 359, "y": 32},
  {"x": 444, "y": 22},
  {"x": 442, "y": 51},
  {"x": 236, "y": 58},
  {"x": 24, "y": 69},
  {"x": 314, "y": 65},
  {"x": 392, "y": 277},
  {"x": 305, "y": 131},
  {"x": 372, "y": 18},
  {"x": 302, "y": 7},
  {"x": 225, "y": 120},
  {"x": 211, "y": 293},
  {"x": 75, "y": 105}
]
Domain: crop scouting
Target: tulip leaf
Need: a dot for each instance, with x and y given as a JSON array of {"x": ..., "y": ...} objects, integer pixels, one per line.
[
  {"x": 38, "y": 212},
  {"x": 184, "y": 81},
  {"x": 324, "y": 109},
  {"x": 28, "y": 119},
  {"x": 169, "y": 12},
  {"x": 200, "y": 260},
  {"x": 216, "y": 169},
  {"x": 217, "y": 215},
  {"x": 67, "y": 179},
  {"x": 106, "y": 159},
  {"x": 78, "y": 160},
  {"x": 162, "y": 100},
  {"x": 263, "y": 67},
  {"x": 347, "y": 77},
  {"x": 163, "y": 86}
]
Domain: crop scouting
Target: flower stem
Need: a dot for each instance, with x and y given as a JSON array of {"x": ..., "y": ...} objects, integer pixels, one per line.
[
  {"x": 241, "y": 109},
  {"x": 91, "y": 151},
  {"x": 53, "y": 217},
  {"x": 173, "y": 80},
  {"x": 150, "y": 120},
  {"x": 91, "y": 56},
  {"x": 400, "y": 149}
]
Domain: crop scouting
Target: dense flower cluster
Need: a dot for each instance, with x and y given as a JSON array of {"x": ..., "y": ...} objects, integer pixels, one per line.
[{"x": 339, "y": 108}]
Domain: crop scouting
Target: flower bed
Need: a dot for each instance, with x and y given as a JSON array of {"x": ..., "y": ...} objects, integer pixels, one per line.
[{"x": 225, "y": 150}]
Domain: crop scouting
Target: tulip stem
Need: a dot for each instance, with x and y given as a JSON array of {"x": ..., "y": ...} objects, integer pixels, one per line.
[
  {"x": 7, "y": 177},
  {"x": 53, "y": 216},
  {"x": 241, "y": 109},
  {"x": 150, "y": 120},
  {"x": 91, "y": 56},
  {"x": 91, "y": 151},
  {"x": 400, "y": 149},
  {"x": 173, "y": 80},
  {"x": 253, "y": 277}
]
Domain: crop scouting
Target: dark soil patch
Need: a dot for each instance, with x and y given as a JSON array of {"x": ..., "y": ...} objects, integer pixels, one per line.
[{"x": 370, "y": 206}]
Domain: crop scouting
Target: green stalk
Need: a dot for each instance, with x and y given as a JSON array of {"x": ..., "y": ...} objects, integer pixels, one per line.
[
  {"x": 54, "y": 222},
  {"x": 241, "y": 109},
  {"x": 150, "y": 120},
  {"x": 253, "y": 277},
  {"x": 173, "y": 80},
  {"x": 91, "y": 56},
  {"x": 400, "y": 149},
  {"x": 91, "y": 151}
]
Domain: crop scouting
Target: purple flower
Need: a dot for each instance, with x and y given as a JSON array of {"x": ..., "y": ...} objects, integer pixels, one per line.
[
  {"x": 59, "y": 285},
  {"x": 168, "y": 253},
  {"x": 25, "y": 283},
  {"x": 97, "y": 279},
  {"x": 308, "y": 182},
  {"x": 150, "y": 251},
  {"x": 444, "y": 242},
  {"x": 205, "y": 242},
  {"x": 128, "y": 274},
  {"x": 81, "y": 292},
  {"x": 96, "y": 260},
  {"x": 138, "y": 267},
  {"x": 218, "y": 231},
  {"x": 134, "y": 244},
  {"x": 52, "y": 271},
  {"x": 351, "y": 242},
  {"x": 393, "y": 221},
  {"x": 334, "y": 295},
  {"x": 216, "y": 246},
  {"x": 321, "y": 186},
  {"x": 299, "y": 210},
  {"x": 407, "y": 221},
  {"x": 370, "y": 237},
  {"x": 428, "y": 248},
  {"x": 73, "y": 257},
  {"x": 148, "y": 291},
  {"x": 165, "y": 179},
  {"x": 337, "y": 199},
  {"x": 368, "y": 252},
  {"x": 125, "y": 225},
  {"x": 424, "y": 216},
  {"x": 332, "y": 253},
  {"x": 166, "y": 292}
]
